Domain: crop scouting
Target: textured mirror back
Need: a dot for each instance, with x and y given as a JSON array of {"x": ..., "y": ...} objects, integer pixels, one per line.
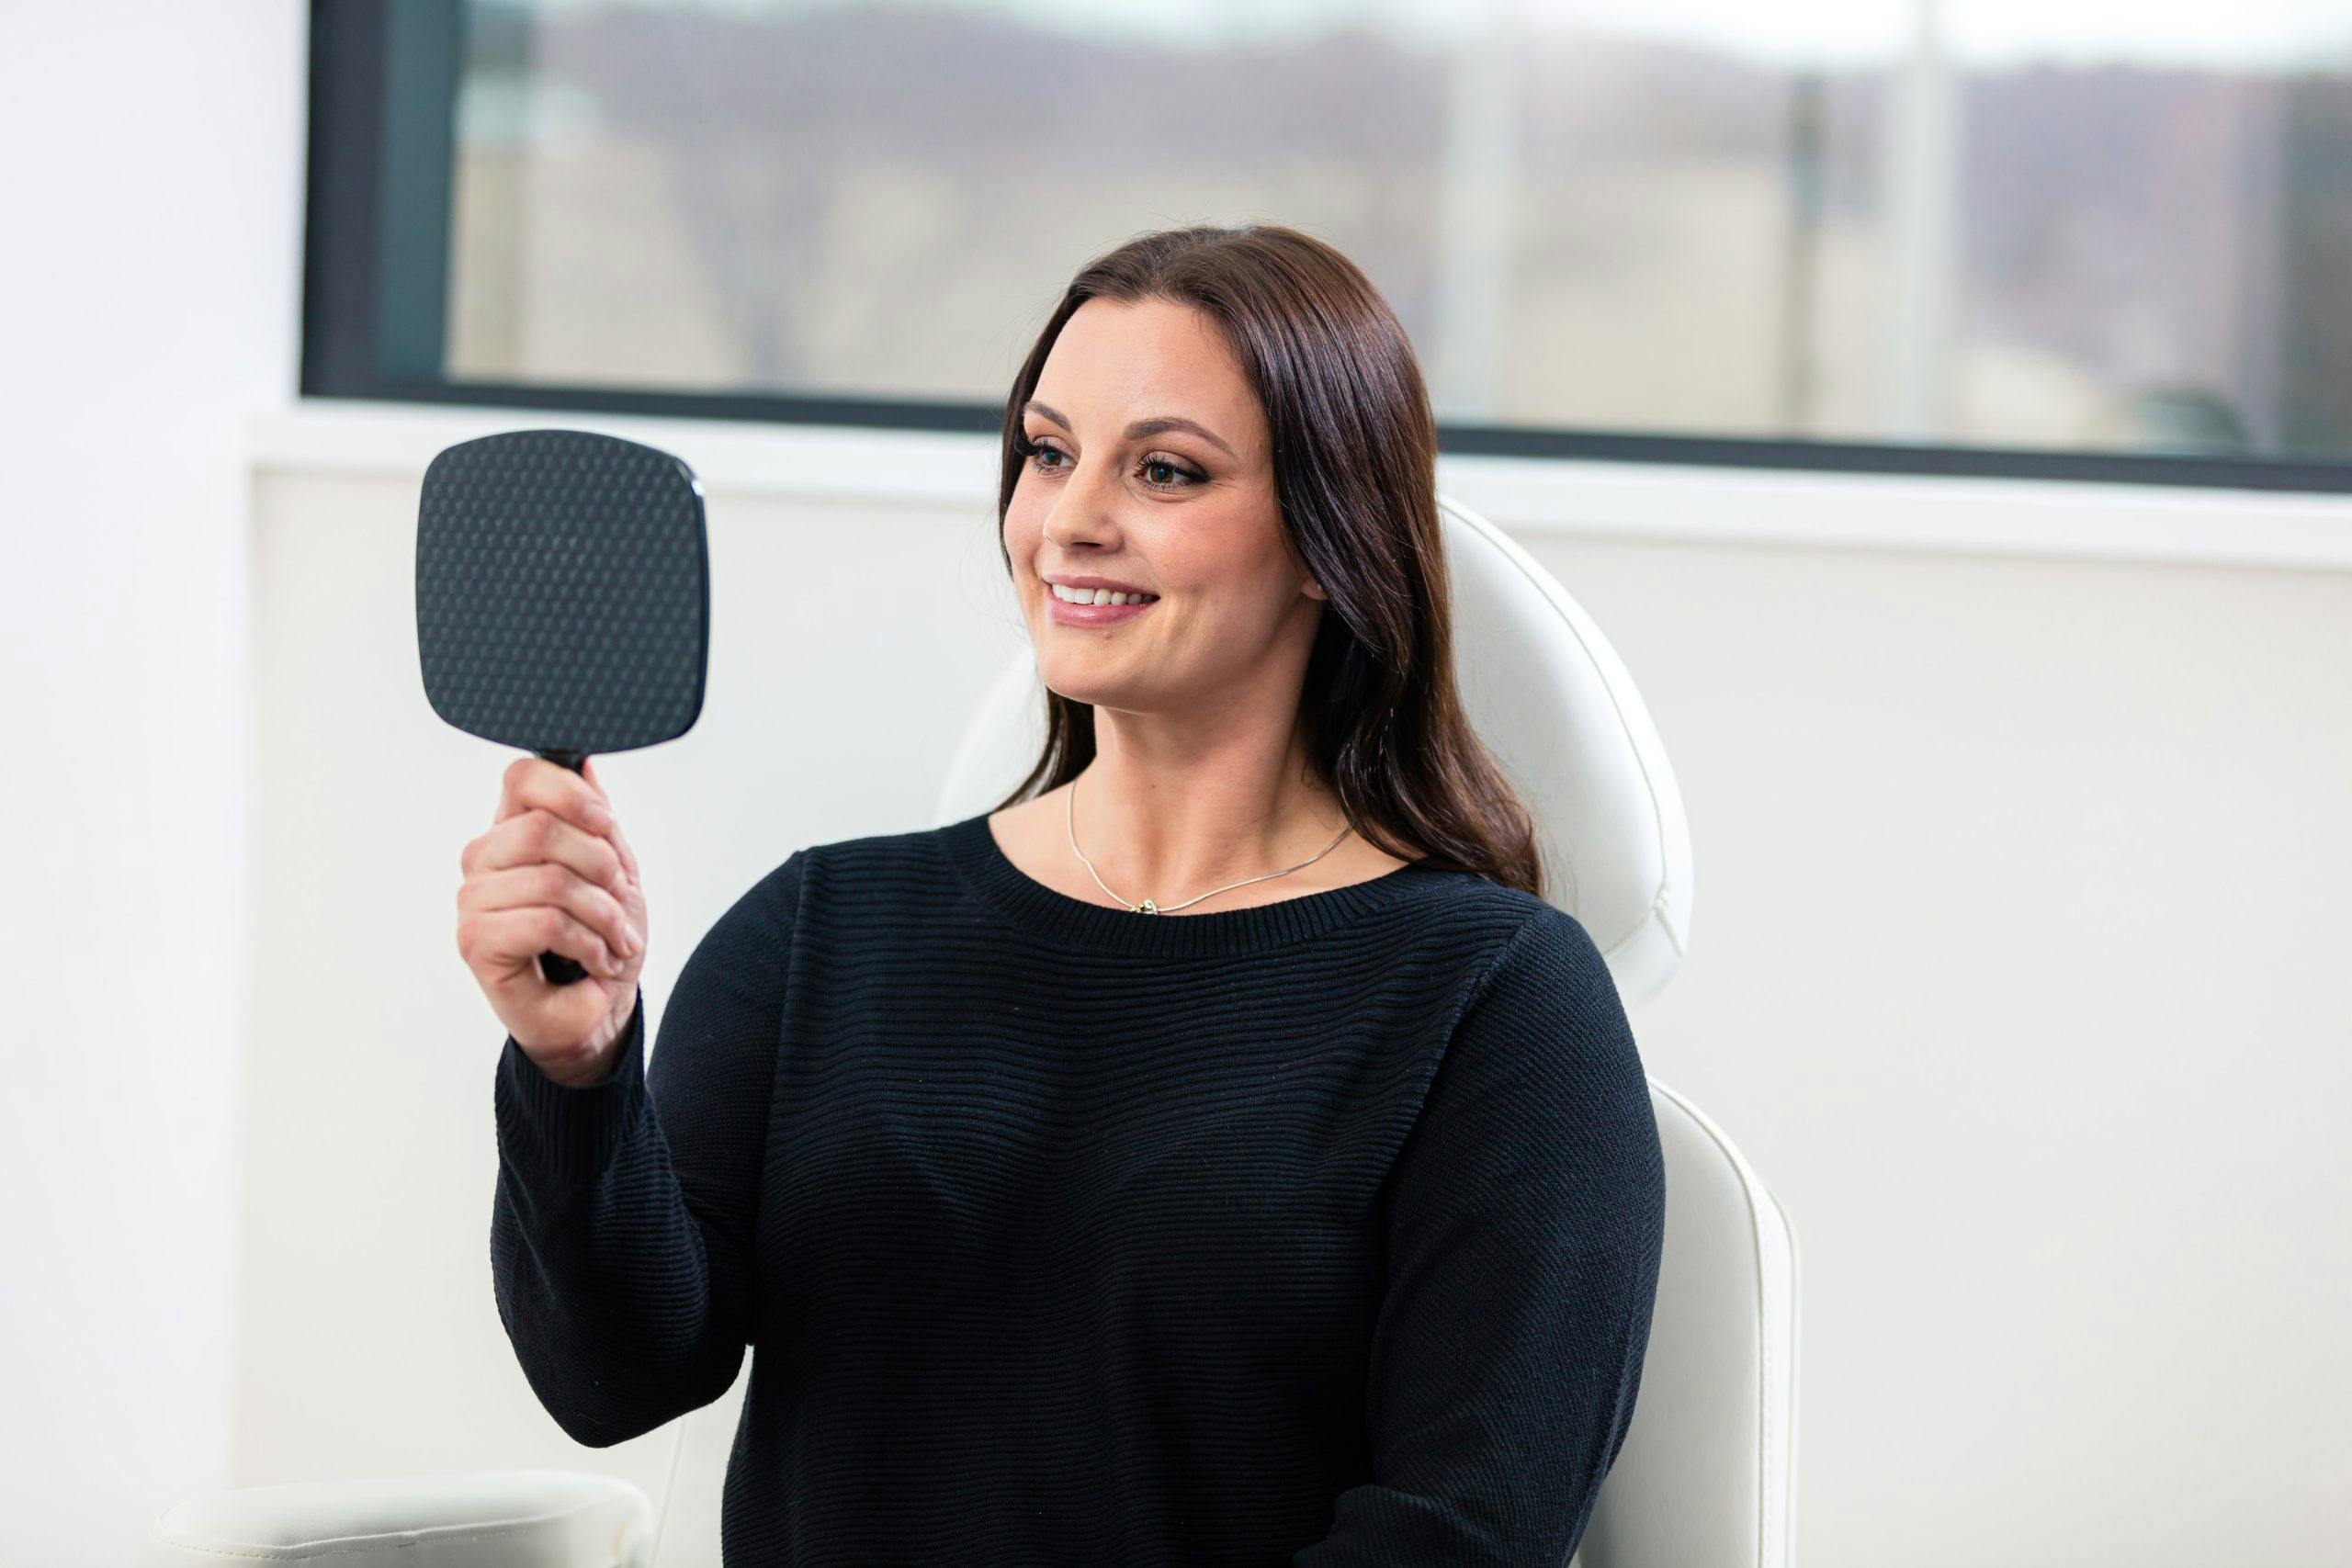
[{"x": 562, "y": 591}]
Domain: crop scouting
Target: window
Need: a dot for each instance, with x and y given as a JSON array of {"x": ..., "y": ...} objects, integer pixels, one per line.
[{"x": 2092, "y": 239}]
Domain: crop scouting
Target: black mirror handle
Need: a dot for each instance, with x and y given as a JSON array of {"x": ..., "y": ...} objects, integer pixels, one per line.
[{"x": 559, "y": 969}]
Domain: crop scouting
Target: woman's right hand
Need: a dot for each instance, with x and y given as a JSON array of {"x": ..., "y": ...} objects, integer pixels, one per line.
[{"x": 554, "y": 873}]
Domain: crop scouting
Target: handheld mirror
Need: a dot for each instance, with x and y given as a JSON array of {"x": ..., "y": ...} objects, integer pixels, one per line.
[{"x": 562, "y": 597}]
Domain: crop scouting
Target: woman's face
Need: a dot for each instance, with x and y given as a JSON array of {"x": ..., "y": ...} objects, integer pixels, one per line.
[{"x": 1186, "y": 514}]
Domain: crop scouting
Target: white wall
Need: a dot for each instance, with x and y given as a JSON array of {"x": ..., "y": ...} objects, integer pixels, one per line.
[
  {"x": 2017, "y": 969},
  {"x": 148, "y": 287}
]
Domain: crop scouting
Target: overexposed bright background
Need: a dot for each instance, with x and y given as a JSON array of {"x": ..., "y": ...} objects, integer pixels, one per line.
[{"x": 2020, "y": 954}]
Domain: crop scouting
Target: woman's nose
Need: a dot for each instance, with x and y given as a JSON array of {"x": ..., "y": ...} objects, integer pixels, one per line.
[{"x": 1082, "y": 509}]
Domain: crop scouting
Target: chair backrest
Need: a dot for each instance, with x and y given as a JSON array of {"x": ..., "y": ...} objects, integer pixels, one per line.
[{"x": 1707, "y": 1475}]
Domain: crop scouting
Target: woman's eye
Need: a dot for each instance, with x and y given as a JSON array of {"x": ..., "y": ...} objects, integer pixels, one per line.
[
  {"x": 1183, "y": 476},
  {"x": 1033, "y": 450}
]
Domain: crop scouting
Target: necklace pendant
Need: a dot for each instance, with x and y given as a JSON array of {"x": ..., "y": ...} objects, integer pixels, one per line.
[{"x": 1147, "y": 908}]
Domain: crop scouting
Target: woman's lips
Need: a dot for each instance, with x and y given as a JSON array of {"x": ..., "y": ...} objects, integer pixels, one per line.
[{"x": 1062, "y": 611}]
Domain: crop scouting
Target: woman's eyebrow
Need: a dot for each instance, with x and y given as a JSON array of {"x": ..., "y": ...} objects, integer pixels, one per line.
[{"x": 1144, "y": 427}]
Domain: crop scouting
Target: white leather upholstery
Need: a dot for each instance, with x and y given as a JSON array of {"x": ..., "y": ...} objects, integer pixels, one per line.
[
  {"x": 1706, "y": 1478},
  {"x": 509, "y": 1518}
]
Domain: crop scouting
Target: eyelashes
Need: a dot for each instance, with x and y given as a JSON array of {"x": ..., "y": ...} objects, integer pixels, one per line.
[{"x": 1029, "y": 451}]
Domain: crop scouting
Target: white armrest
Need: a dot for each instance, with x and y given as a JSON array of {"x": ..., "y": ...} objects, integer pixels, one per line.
[{"x": 508, "y": 1519}]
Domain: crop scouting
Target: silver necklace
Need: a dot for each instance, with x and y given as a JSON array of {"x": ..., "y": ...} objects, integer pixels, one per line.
[{"x": 1148, "y": 906}]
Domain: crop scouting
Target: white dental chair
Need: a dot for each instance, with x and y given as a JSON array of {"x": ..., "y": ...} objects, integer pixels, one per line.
[{"x": 1706, "y": 1478}]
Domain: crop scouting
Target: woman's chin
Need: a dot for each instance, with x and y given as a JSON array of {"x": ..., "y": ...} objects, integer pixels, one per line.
[{"x": 1094, "y": 676}]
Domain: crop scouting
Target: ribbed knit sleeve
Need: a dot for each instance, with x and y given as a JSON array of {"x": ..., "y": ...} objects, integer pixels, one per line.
[
  {"x": 1526, "y": 1224},
  {"x": 623, "y": 1222}
]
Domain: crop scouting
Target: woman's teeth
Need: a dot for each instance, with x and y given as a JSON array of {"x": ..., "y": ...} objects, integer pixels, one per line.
[{"x": 1098, "y": 596}]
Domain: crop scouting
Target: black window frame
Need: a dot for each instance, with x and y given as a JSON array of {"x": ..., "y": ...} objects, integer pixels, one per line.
[{"x": 378, "y": 188}]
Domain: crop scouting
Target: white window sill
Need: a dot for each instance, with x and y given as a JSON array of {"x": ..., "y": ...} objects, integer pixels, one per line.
[{"x": 1878, "y": 511}]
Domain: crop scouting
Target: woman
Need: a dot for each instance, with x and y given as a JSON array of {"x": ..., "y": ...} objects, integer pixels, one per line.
[{"x": 1315, "y": 1219}]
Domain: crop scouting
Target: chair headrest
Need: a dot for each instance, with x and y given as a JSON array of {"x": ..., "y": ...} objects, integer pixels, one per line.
[{"x": 1552, "y": 700}]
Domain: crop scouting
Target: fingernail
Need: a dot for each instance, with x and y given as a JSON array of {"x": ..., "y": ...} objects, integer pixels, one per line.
[{"x": 636, "y": 940}]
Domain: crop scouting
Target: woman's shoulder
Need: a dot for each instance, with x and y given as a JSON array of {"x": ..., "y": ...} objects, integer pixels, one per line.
[
  {"x": 905, "y": 844},
  {"x": 829, "y": 886},
  {"x": 881, "y": 860},
  {"x": 883, "y": 871},
  {"x": 1514, "y": 940},
  {"x": 1495, "y": 904}
]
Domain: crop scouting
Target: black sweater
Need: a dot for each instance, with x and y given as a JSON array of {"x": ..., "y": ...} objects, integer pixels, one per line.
[{"x": 1321, "y": 1233}]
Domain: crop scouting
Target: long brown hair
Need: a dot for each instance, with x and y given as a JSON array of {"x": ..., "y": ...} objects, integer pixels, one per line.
[{"x": 1355, "y": 472}]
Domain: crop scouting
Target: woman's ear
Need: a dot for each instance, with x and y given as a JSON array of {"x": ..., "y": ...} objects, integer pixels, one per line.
[{"x": 1315, "y": 590}]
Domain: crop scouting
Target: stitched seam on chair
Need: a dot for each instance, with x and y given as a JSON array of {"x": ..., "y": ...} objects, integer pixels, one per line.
[
  {"x": 1764, "y": 1361},
  {"x": 1655, "y": 916},
  {"x": 1785, "y": 1544}
]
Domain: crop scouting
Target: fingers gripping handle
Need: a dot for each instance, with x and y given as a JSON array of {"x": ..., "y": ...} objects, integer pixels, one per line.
[{"x": 559, "y": 969}]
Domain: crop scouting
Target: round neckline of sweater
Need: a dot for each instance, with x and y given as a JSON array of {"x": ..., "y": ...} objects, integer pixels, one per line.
[{"x": 989, "y": 873}]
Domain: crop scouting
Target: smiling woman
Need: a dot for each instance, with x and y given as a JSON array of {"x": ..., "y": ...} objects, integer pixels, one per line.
[
  {"x": 1233, "y": 422},
  {"x": 1313, "y": 1219}
]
